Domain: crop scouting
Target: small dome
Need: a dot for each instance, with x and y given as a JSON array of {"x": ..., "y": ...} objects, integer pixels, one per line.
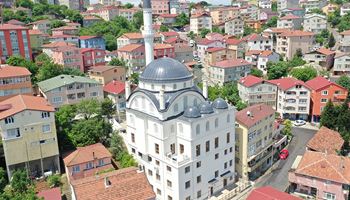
[
  {"x": 206, "y": 108},
  {"x": 220, "y": 103},
  {"x": 165, "y": 70},
  {"x": 192, "y": 112}
]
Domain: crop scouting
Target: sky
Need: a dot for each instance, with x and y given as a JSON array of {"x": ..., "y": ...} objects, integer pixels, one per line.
[{"x": 225, "y": 2}]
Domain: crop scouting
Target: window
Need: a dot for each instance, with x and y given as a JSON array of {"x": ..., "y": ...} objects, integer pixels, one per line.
[
  {"x": 187, "y": 184},
  {"x": 324, "y": 100},
  {"x": 168, "y": 168},
  {"x": 133, "y": 137},
  {"x": 159, "y": 191},
  {"x": 76, "y": 168},
  {"x": 170, "y": 198},
  {"x": 150, "y": 173},
  {"x": 325, "y": 92},
  {"x": 228, "y": 118},
  {"x": 188, "y": 198},
  {"x": 216, "y": 156},
  {"x": 199, "y": 179},
  {"x": 225, "y": 165},
  {"x": 89, "y": 165},
  {"x": 182, "y": 148},
  {"x": 228, "y": 137},
  {"x": 158, "y": 177},
  {"x": 46, "y": 128},
  {"x": 216, "y": 173},
  {"x": 207, "y": 146},
  {"x": 198, "y": 150},
  {"x": 199, "y": 194},
  {"x": 198, "y": 129},
  {"x": 216, "y": 142},
  {"x": 101, "y": 162},
  {"x": 169, "y": 183},
  {"x": 172, "y": 148},
  {"x": 328, "y": 196},
  {"x": 45, "y": 114},
  {"x": 9, "y": 120},
  {"x": 56, "y": 99},
  {"x": 216, "y": 122},
  {"x": 149, "y": 159},
  {"x": 207, "y": 126},
  {"x": 156, "y": 148},
  {"x": 13, "y": 133},
  {"x": 187, "y": 169}
]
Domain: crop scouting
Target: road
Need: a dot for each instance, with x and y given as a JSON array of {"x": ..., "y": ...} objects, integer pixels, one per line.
[{"x": 278, "y": 178}]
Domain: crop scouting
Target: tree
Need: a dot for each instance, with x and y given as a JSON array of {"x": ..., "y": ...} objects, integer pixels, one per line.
[
  {"x": 304, "y": 73},
  {"x": 247, "y": 30},
  {"x": 54, "y": 180},
  {"x": 64, "y": 121},
  {"x": 276, "y": 70},
  {"x": 88, "y": 108},
  {"x": 344, "y": 81},
  {"x": 128, "y": 5},
  {"x": 57, "y": 23},
  {"x": 107, "y": 108},
  {"x": 256, "y": 72},
  {"x": 117, "y": 62},
  {"x": 116, "y": 145},
  {"x": 48, "y": 70},
  {"x": 329, "y": 116},
  {"x": 317, "y": 11},
  {"x": 191, "y": 35},
  {"x": 134, "y": 78},
  {"x": 42, "y": 58},
  {"x": 24, "y": 3},
  {"x": 298, "y": 53},
  {"x": 271, "y": 22},
  {"x": 182, "y": 20},
  {"x": 137, "y": 20},
  {"x": 22, "y": 62},
  {"x": 126, "y": 160},
  {"x": 331, "y": 41},
  {"x": 204, "y": 32},
  {"x": 20, "y": 182},
  {"x": 3, "y": 179},
  {"x": 274, "y": 6},
  {"x": 217, "y": 30},
  {"x": 287, "y": 130},
  {"x": 163, "y": 28}
]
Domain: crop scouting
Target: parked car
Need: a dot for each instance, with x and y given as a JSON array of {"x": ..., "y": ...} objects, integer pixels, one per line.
[
  {"x": 284, "y": 153},
  {"x": 299, "y": 122}
]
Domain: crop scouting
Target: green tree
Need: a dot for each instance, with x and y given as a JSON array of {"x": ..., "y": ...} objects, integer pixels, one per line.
[
  {"x": 3, "y": 179},
  {"x": 134, "y": 78},
  {"x": 163, "y": 28},
  {"x": 274, "y": 6},
  {"x": 317, "y": 11},
  {"x": 20, "y": 182},
  {"x": 117, "y": 62},
  {"x": 128, "y": 5},
  {"x": 204, "y": 32},
  {"x": 344, "y": 81},
  {"x": 48, "y": 70},
  {"x": 217, "y": 30},
  {"x": 89, "y": 108},
  {"x": 107, "y": 108},
  {"x": 304, "y": 73},
  {"x": 64, "y": 121},
  {"x": 22, "y": 62},
  {"x": 329, "y": 116},
  {"x": 271, "y": 22},
  {"x": 256, "y": 72},
  {"x": 57, "y": 23},
  {"x": 54, "y": 180},
  {"x": 331, "y": 40},
  {"x": 24, "y": 3},
  {"x": 182, "y": 20},
  {"x": 126, "y": 160},
  {"x": 137, "y": 20},
  {"x": 287, "y": 130},
  {"x": 247, "y": 30},
  {"x": 191, "y": 35},
  {"x": 116, "y": 145},
  {"x": 298, "y": 53},
  {"x": 42, "y": 58},
  {"x": 276, "y": 70}
]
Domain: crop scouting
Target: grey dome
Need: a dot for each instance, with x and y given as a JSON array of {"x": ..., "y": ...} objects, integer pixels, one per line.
[
  {"x": 220, "y": 103},
  {"x": 192, "y": 112},
  {"x": 206, "y": 108},
  {"x": 165, "y": 70}
]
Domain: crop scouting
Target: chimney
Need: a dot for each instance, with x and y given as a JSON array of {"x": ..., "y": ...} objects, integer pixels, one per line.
[
  {"x": 127, "y": 89},
  {"x": 147, "y": 32},
  {"x": 205, "y": 89},
  {"x": 161, "y": 99},
  {"x": 107, "y": 182}
]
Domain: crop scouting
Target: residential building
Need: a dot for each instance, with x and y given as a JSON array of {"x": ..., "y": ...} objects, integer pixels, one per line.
[
  {"x": 320, "y": 176},
  {"x": 344, "y": 41},
  {"x": 95, "y": 42},
  {"x": 16, "y": 22},
  {"x": 260, "y": 58},
  {"x": 105, "y": 74},
  {"x": 264, "y": 4},
  {"x": 329, "y": 8},
  {"x": 323, "y": 91},
  {"x": 115, "y": 91},
  {"x": 109, "y": 2},
  {"x": 87, "y": 161},
  {"x": 107, "y": 13},
  {"x": 293, "y": 98},
  {"x": 205, "y": 44},
  {"x": 199, "y": 22},
  {"x": 167, "y": 19},
  {"x": 168, "y": 35},
  {"x": 121, "y": 184},
  {"x": 90, "y": 20},
  {"x": 14, "y": 81},
  {"x": 288, "y": 42},
  {"x": 72, "y": 4},
  {"x": 92, "y": 57},
  {"x": 14, "y": 40},
  {"x": 258, "y": 42},
  {"x": 128, "y": 13},
  {"x": 65, "y": 38},
  {"x": 238, "y": 46},
  {"x": 283, "y": 4},
  {"x": 163, "y": 50},
  {"x": 133, "y": 55},
  {"x": 65, "y": 30},
  {"x": 216, "y": 54},
  {"x": 297, "y": 11},
  {"x": 223, "y": 14},
  {"x": 228, "y": 70},
  {"x": 326, "y": 141},
  {"x": 344, "y": 9},
  {"x": 187, "y": 150},
  {"x": 37, "y": 39},
  {"x": 28, "y": 131},
  {"x": 234, "y": 26},
  {"x": 249, "y": 12},
  {"x": 268, "y": 192},
  {"x": 182, "y": 7},
  {"x": 266, "y": 14},
  {"x": 160, "y": 7},
  {"x": 254, "y": 90},
  {"x": 48, "y": 48},
  {"x": 110, "y": 55},
  {"x": 65, "y": 89},
  {"x": 254, "y": 140},
  {"x": 183, "y": 53},
  {"x": 341, "y": 64},
  {"x": 68, "y": 56},
  {"x": 322, "y": 56},
  {"x": 133, "y": 38},
  {"x": 309, "y": 5},
  {"x": 290, "y": 21},
  {"x": 315, "y": 23}
]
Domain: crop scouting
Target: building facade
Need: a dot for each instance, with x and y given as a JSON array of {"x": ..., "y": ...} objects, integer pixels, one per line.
[
  {"x": 199, "y": 22},
  {"x": 341, "y": 64},
  {"x": 106, "y": 74},
  {"x": 234, "y": 26},
  {"x": 95, "y": 42},
  {"x": 315, "y": 23}
]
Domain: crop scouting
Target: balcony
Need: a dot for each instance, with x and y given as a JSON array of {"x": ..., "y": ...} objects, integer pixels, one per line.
[{"x": 177, "y": 159}]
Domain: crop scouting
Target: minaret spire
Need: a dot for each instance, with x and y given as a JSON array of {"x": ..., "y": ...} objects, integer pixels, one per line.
[{"x": 147, "y": 32}]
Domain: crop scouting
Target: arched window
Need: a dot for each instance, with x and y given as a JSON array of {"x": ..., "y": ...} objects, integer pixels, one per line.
[
  {"x": 152, "y": 87},
  {"x": 198, "y": 129},
  {"x": 228, "y": 118},
  {"x": 185, "y": 84},
  {"x": 174, "y": 86},
  {"x": 207, "y": 126},
  {"x": 216, "y": 122},
  {"x": 176, "y": 108},
  {"x": 181, "y": 128},
  {"x": 155, "y": 127},
  {"x": 195, "y": 102}
]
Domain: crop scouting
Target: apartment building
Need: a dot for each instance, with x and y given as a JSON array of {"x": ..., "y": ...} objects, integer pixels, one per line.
[
  {"x": 234, "y": 26},
  {"x": 105, "y": 74},
  {"x": 133, "y": 38},
  {"x": 28, "y": 131},
  {"x": 293, "y": 98},
  {"x": 238, "y": 46},
  {"x": 48, "y": 48},
  {"x": 254, "y": 140},
  {"x": 309, "y": 5},
  {"x": 322, "y": 56},
  {"x": 264, "y": 4},
  {"x": 289, "y": 41},
  {"x": 92, "y": 57},
  {"x": 90, "y": 20},
  {"x": 260, "y": 58},
  {"x": 344, "y": 9},
  {"x": 14, "y": 81},
  {"x": 68, "y": 56},
  {"x": 107, "y": 13},
  {"x": 179, "y": 7},
  {"x": 115, "y": 91},
  {"x": 95, "y": 42},
  {"x": 167, "y": 19},
  {"x": 344, "y": 41},
  {"x": 341, "y": 64},
  {"x": 216, "y": 54},
  {"x": 14, "y": 40},
  {"x": 315, "y": 23},
  {"x": 65, "y": 89},
  {"x": 37, "y": 39},
  {"x": 300, "y": 12},
  {"x": 109, "y": 2},
  {"x": 228, "y": 70},
  {"x": 266, "y": 14},
  {"x": 65, "y": 38},
  {"x": 223, "y": 14},
  {"x": 290, "y": 21},
  {"x": 160, "y": 7},
  {"x": 128, "y": 13},
  {"x": 65, "y": 30},
  {"x": 204, "y": 44},
  {"x": 283, "y": 4},
  {"x": 258, "y": 42},
  {"x": 200, "y": 21},
  {"x": 317, "y": 175},
  {"x": 42, "y": 25},
  {"x": 254, "y": 90},
  {"x": 322, "y": 91}
]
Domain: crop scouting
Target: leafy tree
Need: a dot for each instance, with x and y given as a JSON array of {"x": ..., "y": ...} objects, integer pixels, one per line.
[
  {"x": 24, "y": 3},
  {"x": 287, "y": 130},
  {"x": 247, "y": 30},
  {"x": 22, "y": 62},
  {"x": 64, "y": 121},
  {"x": 48, "y": 71},
  {"x": 134, "y": 78},
  {"x": 20, "y": 182},
  {"x": 42, "y": 58},
  {"x": 191, "y": 35},
  {"x": 182, "y": 20},
  {"x": 107, "y": 108},
  {"x": 137, "y": 20},
  {"x": 274, "y": 6},
  {"x": 331, "y": 41},
  {"x": 163, "y": 28},
  {"x": 204, "y": 32},
  {"x": 117, "y": 62},
  {"x": 126, "y": 160},
  {"x": 217, "y": 30},
  {"x": 128, "y": 5},
  {"x": 317, "y": 11},
  {"x": 116, "y": 145},
  {"x": 57, "y": 23},
  {"x": 304, "y": 73},
  {"x": 271, "y": 22},
  {"x": 54, "y": 180},
  {"x": 276, "y": 70},
  {"x": 298, "y": 53},
  {"x": 89, "y": 108},
  {"x": 344, "y": 81},
  {"x": 256, "y": 72},
  {"x": 3, "y": 179},
  {"x": 329, "y": 116}
]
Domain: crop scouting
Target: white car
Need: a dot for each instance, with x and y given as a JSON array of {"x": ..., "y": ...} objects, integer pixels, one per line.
[{"x": 299, "y": 122}]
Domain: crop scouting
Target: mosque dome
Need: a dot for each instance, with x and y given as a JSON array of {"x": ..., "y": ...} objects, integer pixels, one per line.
[
  {"x": 220, "y": 103},
  {"x": 192, "y": 112},
  {"x": 205, "y": 108}
]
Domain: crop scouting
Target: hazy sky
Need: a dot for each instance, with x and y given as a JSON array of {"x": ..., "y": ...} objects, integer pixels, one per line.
[{"x": 226, "y": 2}]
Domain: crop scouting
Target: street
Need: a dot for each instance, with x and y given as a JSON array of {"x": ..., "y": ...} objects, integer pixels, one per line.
[{"x": 278, "y": 177}]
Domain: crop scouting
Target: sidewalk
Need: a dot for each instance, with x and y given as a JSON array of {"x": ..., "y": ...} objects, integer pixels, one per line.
[{"x": 308, "y": 125}]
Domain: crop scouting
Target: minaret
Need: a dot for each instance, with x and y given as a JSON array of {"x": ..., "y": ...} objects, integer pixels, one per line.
[{"x": 147, "y": 32}]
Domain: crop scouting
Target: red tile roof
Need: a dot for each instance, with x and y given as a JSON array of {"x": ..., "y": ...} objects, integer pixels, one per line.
[
  {"x": 86, "y": 154},
  {"x": 35, "y": 32},
  {"x": 115, "y": 87},
  {"x": 103, "y": 68},
  {"x": 326, "y": 141},
  {"x": 11, "y": 27},
  {"x": 162, "y": 46},
  {"x": 250, "y": 80},
  {"x": 253, "y": 52},
  {"x": 205, "y": 41},
  {"x": 289, "y": 16},
  {"x": 64, "y": 36},
  {"x": 231, "y": 63},
  {"x": 20, "y": 103},
  {"x": 91, "y": 17},
  {"x": 319, "y": 83},
  {"x": 16, "y": 22},
  {"x": 86, "y": 37},
  {"x": 270, "y": 193},
  {"x": 288, "y": 82},
  {"x": 214, "y": 49},
  {"x": 254, "y": 37},
  {"x": 233, "y": 41},
  {"x": 131, "y": 47},
  {"x": 170, "y": 33},
  {"x": 256, "y": 113},
  {"x": 345, "y": 32},
  {"x": 51, "y": 194},
  {"x": 279, "y": 30},
  {"x": 296, "y": 33},
  {"x": 325, "y": 166},
  {"x": 7, "y": 71},
  {"x": 325, "y": 51},
  {"x": 57, "y": 44},
  {"x": 125, "y": 184},
  {"x": 170, "y": 40},
  {"x": 266, "y": 53}
]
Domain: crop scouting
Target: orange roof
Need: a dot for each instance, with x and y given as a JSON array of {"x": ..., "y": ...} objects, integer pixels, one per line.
[
  {"x": 253, "y": 52},
  {"x": 231, "y": 63},
  {"x": 204, "y": 14},
  {"x": 296, "y": 33},
  {"x": 326, "y": 141},
  {"x": 35, "y": 32},
  {"x": 288, "y": 82},
  {"x": 131, "y": 47},
  {"x": 124, "y": 184},
  {"x": 12, "y": 71},
  {"x": 11, "y": 27},
  {"x": 214, "y": 49},
  {"x": 51, "y": 194},
  {"x": 320, "y": 82},
  {"x": 270, "y": 193},
  {"x": 20, "y": 103},
  {"x": 279, "y": 30},
  {"x": 89, "y": 17},
  {"x": 325, "y": 51},
  {"x": 250, "y": 80},
  {"x": 289, "y": 16},
  {"x": 87, "y": 154},
  {"x": 345, "y": 32},
  {"x": 257, "y": 113},
  {"x": 57, "y": 44},
  {"x": 233, "y": 41},
  {"x": 266, "y": 53},
  {"x": 162, "y": 46},
  {"x": 133, "y": 35},
  {"x": 325, "y": 166}
]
